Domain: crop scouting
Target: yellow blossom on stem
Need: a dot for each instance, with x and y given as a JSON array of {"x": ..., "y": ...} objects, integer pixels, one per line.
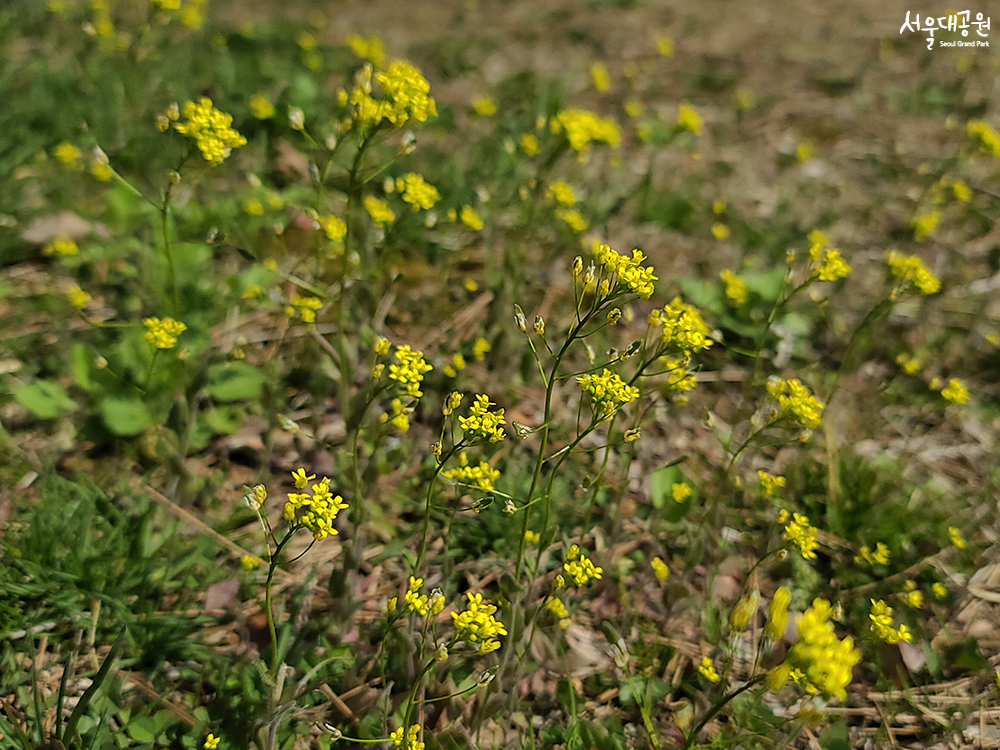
[
  {"x": 800, "y": 533},
  {"x": 529, "y": 143},
  {"x": 912, "y": 273},
  {"x": 984, "y": 135},
  {"x": 581, "y": 569},
  {"x": 77, "y": 297},
  {"x": 825, "y": 662},
  {"x": 706, "y": 670},
  {"x": 69, "y": 155},
  {"x": 881, "y": 618},
  {"x": 315, "y": 512},
  {"x": 261, "y": 107},
  {"x": 210, "y": 129},
  {"x": 482, "y": 476},
  {"x": 736, "y": 288},
  {"x": 879, "y": 557},
  {"x": 660, "y": 569},
  {"x": 409, "y": 370},
  {"x": 684, "y": 330},
  {"x": 470, "y": 218},
  {"x": 680, "y": 491},
  {"x": 956, "y": 538},
  {"x": 562, "y": 192},
  {"x": 162, "y": 334},
  {"x": 476, "y": 624},
  {"x": 482, "y": 423},
  {"x": 378, "y": 209},
  {"x": 769, "y": 483},
  {"x": 416, "y": 191},
  {"x": 367, "y": 48},
  {"x": 955, "y": 391},
  {"x": 484, "y": 106},
  {"x": 777, "y": 614},
  {"x": 795, "y": 400},
  {"x": 688, "y": 118},
  {"x": 61, "y": 246},
  {"x": 627, "y": 271},
  {"x": 582, "y": 128},
  {"x": 607, "y": 392},
  {"x": 602, "y": 79},
  {"x": 408, "y": 740}
]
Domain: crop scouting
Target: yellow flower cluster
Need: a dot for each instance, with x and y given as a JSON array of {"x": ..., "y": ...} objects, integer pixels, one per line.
[
  {"x": 583, "y": 128},
  {"x": 909, "y": 268},
  {"x": 823, "y": 661},
  {"x": 627, "y": 271},
  {"x": 416, "y": 191},
  {"x": 769, "y": 483},
  {"x": 799, "y": 532},
  {"x": 660, "y": 569},
  {"x": 912, "y": 596},
  {"x": 706, "y": 670},
  {"x": 163, "y": 334},
  {"x": 370, "y": 48},
  {"x": 684, "y": 330},
  {"x": 679, "y": 378},
  {"x": 955, "y": 537},
  {"x": 556, "y": 607},
  {"x": 607, "y": 392},
  {"x": 777, "y": 614},
  {"x": 795, "y": 399},
  {"x": 573, "y": 219},
  {"x": 987, "y": 138},
  {"x": 409, "y": 740},
  {"x": 61, "y": 246},
  {"x": 334, "y": 227},
  {"x": 423, "y": 604},
  {"x": 261, "y": 107},
  {"x": 315, "y": 512},
  {"x": 581, "y": 568},
  {"x": 378, "y": 209},
  {"x": 400, "y": 415},
  {"x": 955, "y": 391},
  {"x": 880, "y": 556},
  {"x": 826, "y": 264},
  {"x": 925, "y": 224},
  {"x": 477, "y": 625},
  {"x": 69, "y": 155},
  {"x": 562, "y": 192},
  {"x": 680, "y": 491},
  {"x": 405, "y": 96},
  {"x": 470, "y": 218},
  {"x": 210, "y": 129},
  {"x": 305, "y": 306},
  {"x": 881, "y": 617},
  {"x": 529, "y": 143},
  {"x": 483, "y": 423},
  {"x": 736, "y": 288},
  {"x": 77, "y": 297},
  {"x": 688, "y": 118},
  {"x": 484, "y": 106},
  {"x": 481, "y": 476},
  {"x": 409, "y": 370}
]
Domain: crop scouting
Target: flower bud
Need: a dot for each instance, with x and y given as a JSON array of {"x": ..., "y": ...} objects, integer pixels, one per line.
[
  {"x": 539, "y": 325},
  {"x": 519, "y": 321},
  {"x": 614, "y": 316},
  {"x": 745, "y": 609},
  {"x": 577, "y": 266}
]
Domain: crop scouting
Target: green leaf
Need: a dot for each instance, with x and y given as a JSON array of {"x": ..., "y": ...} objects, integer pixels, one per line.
[
  {"x": 224, "y": 420},
  {"x": 661, "y": 484},
  {"x": 79, "y": 364},
  {"x": 125, "y": 417},
  {"x": 234, "y": 381},
  {"x": 45, "y": 399},
  {"x": 142, "y": 729}
]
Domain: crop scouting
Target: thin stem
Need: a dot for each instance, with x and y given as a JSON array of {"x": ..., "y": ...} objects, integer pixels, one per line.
[
  {"x": 168, "y": 248},
  {"x": 272, "y": 566},
  {"x": 712, "y": 712},
  {"x": 427, "y": 509}
]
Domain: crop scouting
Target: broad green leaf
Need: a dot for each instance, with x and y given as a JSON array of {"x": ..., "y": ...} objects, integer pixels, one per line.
[
  {"x": 234, "y": 381},
  {"x": 125, "y": 417},
  {"x": 45, "y": 399}
]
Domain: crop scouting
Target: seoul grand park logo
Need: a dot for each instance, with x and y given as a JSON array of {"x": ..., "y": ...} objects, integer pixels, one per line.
[{"x": 958, "y": 21}]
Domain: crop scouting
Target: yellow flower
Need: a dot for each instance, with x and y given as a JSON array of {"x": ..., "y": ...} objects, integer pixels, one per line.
[
  {"x": 529, "y": 144},
  {"x": 736, "y": 288},
  {"x": 881, "y": 618},
  {"x": 925, "y": 224},
  {"x": 879, "y": 557},
  {"x": 795, "y": 400},
  {"x": 986, "y": 137},
  {"x": 409, "y": 370},
  {"x": 532, "y": 537},
  {"x": 482, "y": 476},
  {"x": 408, "y": 740},
  {"x": 480, "y": 348},
  {"x": 803, "y": 151},
  {"x": 939, "y": 590},
  {"x": 769, "y": 483},
  {"x": 909, "y": 268},
  {"x": 261, "y": 107},
  {"x": 665, "y": 45},
  {"x": 625, "y": 270},
  {"x": 250, "y": 561},
  {"x": 688, "y": 118},
  {"x": 61, "y": 246},
  {"x": 680, "y": 491},
  {"x": 484, "y": 106},
  {"x": 470, "y": 218},
  {"x": 476, "y": 624},
  {"x": 581, "y": 569},
  {"x": 211, "y": 742},
  {"x": 824, "y": 661},
  {"x": 483, "y": 423},
  {"x": 556, "y": 607},
  {"x": 210, "y": 129},
  {"x": 583, "y": 128},
  {"x": 660, "y": 569},
  {"x": 706, "y": 670},
  {"x": 253, "y": 207},
  {"x": 961, "y": 191},
  {"x": 602, "y": 80},
  {"x": 607, "y": 392},
  {"x": 955, "y": 391},
  {"x": 745, "y": 609},
  {"x": 416, "y": 191},
  {"x": 378, "y": 209},
  {"x": 909, "y": 363},
  {"x": 316, "y": 512},
  {"x": 574, "y": 220},
  {"x": 720, "y": 231},
  {"x": 777, "y": 614},
  {"x": 914, "y": 599},
  {"x": 562, "y": 192},
  {"x": 684, "y": 330},
  {"x": 334, "y": 228},
  {"x": 956, "y": 538},
  {"x": 162, "y": 334},
  {"x": 367, "y": 49},
  {"x": 101, "y": 170},
  {"x": 77, "y": 297},
  {"x": 799, "y": 532},
  {"x": 69, "y": 155}
]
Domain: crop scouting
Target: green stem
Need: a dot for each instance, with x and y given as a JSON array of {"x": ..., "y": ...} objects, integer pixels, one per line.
[
  {"x": 712, "y": 712},
  {"x": 427, "y": 509},
  {"x": 168, "y": 249},
  {"x": 272, "y": 566}
]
